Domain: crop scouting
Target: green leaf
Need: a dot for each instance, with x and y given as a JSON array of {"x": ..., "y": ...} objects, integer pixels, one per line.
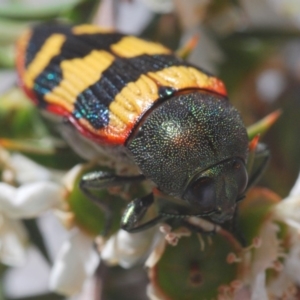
[
  {"x": 10, "y": 30},
  {"x": 22, "y": 129},
  {"x": 263, "y": 125},
  {"x": 19, "y": 118},
  {"x": 40, "y": 10},
  {"x": 7, "y": 59}
]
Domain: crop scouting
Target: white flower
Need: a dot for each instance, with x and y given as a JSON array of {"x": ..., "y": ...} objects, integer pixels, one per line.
[
  {"x": 76, "y": 261},
  {"x": 153, "y": 293},
  {"x": 13, "y": 241},
  {"x": 27, "y": 201},
  {"x": 27, "y": 170},
  {"x": 19, "y": 203},
  {"x": 288, "y": 212},
  {"x": 277, "y": 253},
  {"x": 259, "y": 287},
  {"x": 295, "y": 191},
  {"x": 265, "y": 255},
  {"x": 127, "y": 249},
  {"x": 272, "y": 13},
  {"x": 77, "y": 258},
  {"x": 160, "y": 6},
  {"x": 20, "y": 169}
]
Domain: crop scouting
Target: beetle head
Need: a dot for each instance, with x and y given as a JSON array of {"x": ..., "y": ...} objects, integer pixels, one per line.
[
  {"x": 193, "y": 146},
  {"x": 216, "y": 190}
]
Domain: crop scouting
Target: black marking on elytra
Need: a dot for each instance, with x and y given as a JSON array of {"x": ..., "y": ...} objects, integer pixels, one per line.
[
  {"x": 151, "y": 63},
  {"x": 90, "y": 108},
  {"x": 75, "y": 46},
  {"x": 121, "y": 72},
  {"x": 92, "y": 104},
  {"x": 39, "y": 36},
  {"x": 125, "y": 70},
  {"x": 48, "y": 79},
  {"x": 78, "y": 46}
]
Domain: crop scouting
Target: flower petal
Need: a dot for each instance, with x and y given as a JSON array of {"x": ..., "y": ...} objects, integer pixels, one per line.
[
  {"x": 7, "y": 192},
  {"x": 29, "y": 200},
  {"x": 158, "y": 250},
  {"x": 242, "y": 294},
  {"x": 282, "y": 286},
  {"x": 127, "y": 249},
  {"x": 265, "y": 255},
  {"x": 288, "y": 211},
  {"x": 152, "y": 293},
  {"x": 295, "y": 191},
  {"x": 13, "y": 242},
  {"x": 27, "y": 170},
  {"x": 71, "y": 176},
  {"x": 76, "y": 261},
  {"x": 259, "y": 291},
  {"x": 292, "y": 263},
  {"x": 30, "y": 279},
  {"x": 159, "y": 6}
]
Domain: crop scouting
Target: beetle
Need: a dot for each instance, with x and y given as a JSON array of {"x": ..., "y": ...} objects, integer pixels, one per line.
[{"x": 136, "y": 101}]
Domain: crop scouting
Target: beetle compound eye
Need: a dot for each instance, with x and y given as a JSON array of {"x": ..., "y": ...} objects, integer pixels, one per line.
[
  {"x": 202, "y": 193},
  {"x": 241, "y": 175}
]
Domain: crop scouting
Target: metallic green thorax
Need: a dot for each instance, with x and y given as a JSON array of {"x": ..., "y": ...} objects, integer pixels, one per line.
[{"x": 186, "y": 135}]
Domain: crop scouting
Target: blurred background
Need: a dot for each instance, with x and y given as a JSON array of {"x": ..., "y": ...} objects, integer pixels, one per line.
[{"x": 252, "y": 45}]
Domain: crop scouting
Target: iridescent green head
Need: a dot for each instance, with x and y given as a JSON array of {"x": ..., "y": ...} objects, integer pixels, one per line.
[{"x": 194, "y": 147}]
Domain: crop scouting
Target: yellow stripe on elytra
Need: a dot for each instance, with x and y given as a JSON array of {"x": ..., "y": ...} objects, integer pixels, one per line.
[
  {"x": 51, "y": 48},
  {"x": 78, "y": 74},
  {"x": 181, "y": 77},
  {"x": 139, "y": 96},
  {"x": 90, "y": 29},
  {"x": 130, "y": 46}
]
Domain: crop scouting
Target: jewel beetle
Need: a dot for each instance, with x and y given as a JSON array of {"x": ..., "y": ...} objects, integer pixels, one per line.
[{"x": 135, "y": 100}]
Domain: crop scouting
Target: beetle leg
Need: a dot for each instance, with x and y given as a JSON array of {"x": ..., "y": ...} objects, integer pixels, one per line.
[
  {"x": 134, "y": 213},
  {"x": 100, "y": 180},
  {"x": 262, "y": 153}
]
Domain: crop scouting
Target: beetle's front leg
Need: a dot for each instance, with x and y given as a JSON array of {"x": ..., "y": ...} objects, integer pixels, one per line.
[
  {"x": 101, "y": 180},
  {"x": 135, "y": 212}
]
